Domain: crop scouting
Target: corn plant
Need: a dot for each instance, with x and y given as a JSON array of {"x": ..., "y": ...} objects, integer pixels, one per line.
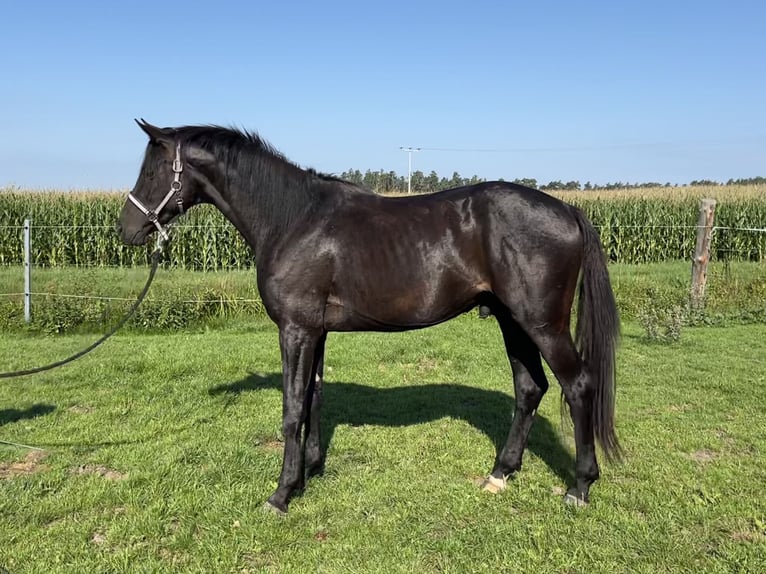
[{"x": 635, "y": 227}]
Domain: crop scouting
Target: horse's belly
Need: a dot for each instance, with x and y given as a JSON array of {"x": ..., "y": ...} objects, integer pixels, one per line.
[{"x": 413, "y": 308}]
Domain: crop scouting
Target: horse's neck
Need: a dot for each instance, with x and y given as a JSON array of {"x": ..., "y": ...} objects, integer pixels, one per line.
[{"x": 247, "y": 201}]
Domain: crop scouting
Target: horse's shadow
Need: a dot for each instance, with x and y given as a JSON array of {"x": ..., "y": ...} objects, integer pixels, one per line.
[
  {"x": 13, "y": 415},
  {"x": 488, "y": 411}
]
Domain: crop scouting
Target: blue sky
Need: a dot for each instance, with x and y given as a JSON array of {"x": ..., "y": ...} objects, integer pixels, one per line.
[{"x": 666, "y": 91}]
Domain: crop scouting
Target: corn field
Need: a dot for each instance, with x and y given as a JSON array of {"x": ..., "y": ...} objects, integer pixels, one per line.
[{"x": 79, "y": 229}]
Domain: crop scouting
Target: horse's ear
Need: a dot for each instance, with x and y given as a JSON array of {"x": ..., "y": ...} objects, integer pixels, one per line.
[{"x": 155, "y": 134}]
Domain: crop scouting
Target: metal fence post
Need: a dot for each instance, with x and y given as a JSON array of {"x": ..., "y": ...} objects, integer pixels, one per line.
[{"x": 27, "y": 271}]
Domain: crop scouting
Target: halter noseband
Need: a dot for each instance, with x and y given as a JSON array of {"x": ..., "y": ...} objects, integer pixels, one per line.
[{"x": 175, "y": 189}]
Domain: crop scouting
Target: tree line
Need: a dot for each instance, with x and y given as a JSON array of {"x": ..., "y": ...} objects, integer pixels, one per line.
[{"x": 390, "y": 182}]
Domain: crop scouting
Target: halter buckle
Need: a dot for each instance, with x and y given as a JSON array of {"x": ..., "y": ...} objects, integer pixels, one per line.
[{"x": 178, "y": 166}]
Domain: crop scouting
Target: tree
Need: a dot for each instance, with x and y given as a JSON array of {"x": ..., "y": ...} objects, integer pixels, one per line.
[
  {"x": 704, "y": 182},
  {"x": 572, "y": 185},
  {"x": 418, "y": 182},
  {"x": 526, "y": 181},
  {"x": 456, "y": 180},
  {"x": 432, "y": 182},
  {"x": 553, "y": 186}
]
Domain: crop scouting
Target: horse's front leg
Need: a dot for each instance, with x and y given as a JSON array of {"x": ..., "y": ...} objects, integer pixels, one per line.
[{"x": 298, "y": 346}]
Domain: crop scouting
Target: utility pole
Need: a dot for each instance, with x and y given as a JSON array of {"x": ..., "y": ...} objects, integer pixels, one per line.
[{"x": 409, "y": 151}]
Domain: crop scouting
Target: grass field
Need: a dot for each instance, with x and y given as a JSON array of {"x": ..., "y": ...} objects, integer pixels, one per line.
[
  {"x": 159, "y": 450},
  {"x": 180, "y": 298}
]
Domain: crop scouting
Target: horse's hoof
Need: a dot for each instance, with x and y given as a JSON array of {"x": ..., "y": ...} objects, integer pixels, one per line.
[
  {"x": 492, "y": 484},
  {"x": 573, "y": 499},
  {"x": 269, "y": 508},
  {"x": 316, "y": 469}
]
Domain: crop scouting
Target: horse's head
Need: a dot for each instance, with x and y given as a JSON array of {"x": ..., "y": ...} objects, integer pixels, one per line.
[{"x": 167, "y": 185}]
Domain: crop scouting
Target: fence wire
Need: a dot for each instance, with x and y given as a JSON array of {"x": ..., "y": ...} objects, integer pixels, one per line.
[
  {"x": 611, "y": 238},
  {"x": 148, "y": 299}
]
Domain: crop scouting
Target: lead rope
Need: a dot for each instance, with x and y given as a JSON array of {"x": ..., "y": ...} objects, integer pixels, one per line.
[{"x": 155, "y": 257}]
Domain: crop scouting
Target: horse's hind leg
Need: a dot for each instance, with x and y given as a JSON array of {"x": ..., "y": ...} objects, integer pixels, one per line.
[
  {"x": 314, "y": 455},
  {"x": 530, "y": 385},
  {"x": 578, "y": 385}
]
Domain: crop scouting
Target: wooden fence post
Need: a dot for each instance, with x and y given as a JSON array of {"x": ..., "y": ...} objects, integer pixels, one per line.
[{"x": 702, "y": 252}]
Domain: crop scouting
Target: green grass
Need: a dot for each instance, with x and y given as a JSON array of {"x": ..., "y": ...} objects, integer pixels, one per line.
[
  {"x": 160, "y": 450},
  {"x": 736, "y": 292},
  {"x": 177, "y": 298},
  {"x": 182, "y": 298},
  {"x": 126, "y": 281}
]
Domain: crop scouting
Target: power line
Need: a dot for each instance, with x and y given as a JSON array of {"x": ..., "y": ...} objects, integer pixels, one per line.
[
  {"x": 542, "y": 149},
  {"x": 601, "y": 147}
]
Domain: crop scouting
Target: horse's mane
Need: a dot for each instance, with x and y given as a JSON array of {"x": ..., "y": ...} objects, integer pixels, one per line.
[
  {"x": 226, "y": 141},
  {"x": 282, "y": 189}
]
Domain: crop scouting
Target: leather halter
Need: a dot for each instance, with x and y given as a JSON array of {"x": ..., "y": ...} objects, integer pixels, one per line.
[{"x": 175, "y": 189}]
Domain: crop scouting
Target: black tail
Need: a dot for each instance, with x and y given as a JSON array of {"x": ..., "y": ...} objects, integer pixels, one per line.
[{"x": 597, "y": 334}]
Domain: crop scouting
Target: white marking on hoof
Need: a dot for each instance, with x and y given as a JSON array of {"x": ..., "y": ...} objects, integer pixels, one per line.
[
  {"x": 494, "y": 485},
  {"x": 271, "y": 509},
  {"x": 576, "y": 501}
]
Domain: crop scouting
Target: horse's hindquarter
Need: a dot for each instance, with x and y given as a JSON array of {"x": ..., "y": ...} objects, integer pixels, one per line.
[
  {"x": 403, "y": 263},
  {"x": 535, "y": 245}
]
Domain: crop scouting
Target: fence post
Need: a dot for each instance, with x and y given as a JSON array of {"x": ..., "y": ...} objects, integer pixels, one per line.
[
  {"x": 27, "y": 271},
  {"x": 702, "y": 252}
]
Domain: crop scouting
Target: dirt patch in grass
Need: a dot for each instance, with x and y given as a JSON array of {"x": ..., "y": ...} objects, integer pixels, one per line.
[
  {"x": 682, "y": 408},
  {"x": 98, "y": 538},
  {"x": 703, "y": 456},
  {"x": 30, "y": 465},
  {"x": 80, "y": 409},
  {"x": 427, "y": 364},
  {"x": 99, "y": 470},
  {"x": 747, "y": 536},
  {"x": 270, "y": 443}
]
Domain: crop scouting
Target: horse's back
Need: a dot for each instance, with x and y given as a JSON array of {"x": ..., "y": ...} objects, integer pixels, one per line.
[{"x": 414, "y": 261}]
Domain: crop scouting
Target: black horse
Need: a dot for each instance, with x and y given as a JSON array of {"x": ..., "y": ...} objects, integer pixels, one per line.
[{"x": 332, "y": 259}]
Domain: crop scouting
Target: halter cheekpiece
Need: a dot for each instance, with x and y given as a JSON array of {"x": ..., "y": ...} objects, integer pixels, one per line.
[{"x": 175, "y": 189}]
